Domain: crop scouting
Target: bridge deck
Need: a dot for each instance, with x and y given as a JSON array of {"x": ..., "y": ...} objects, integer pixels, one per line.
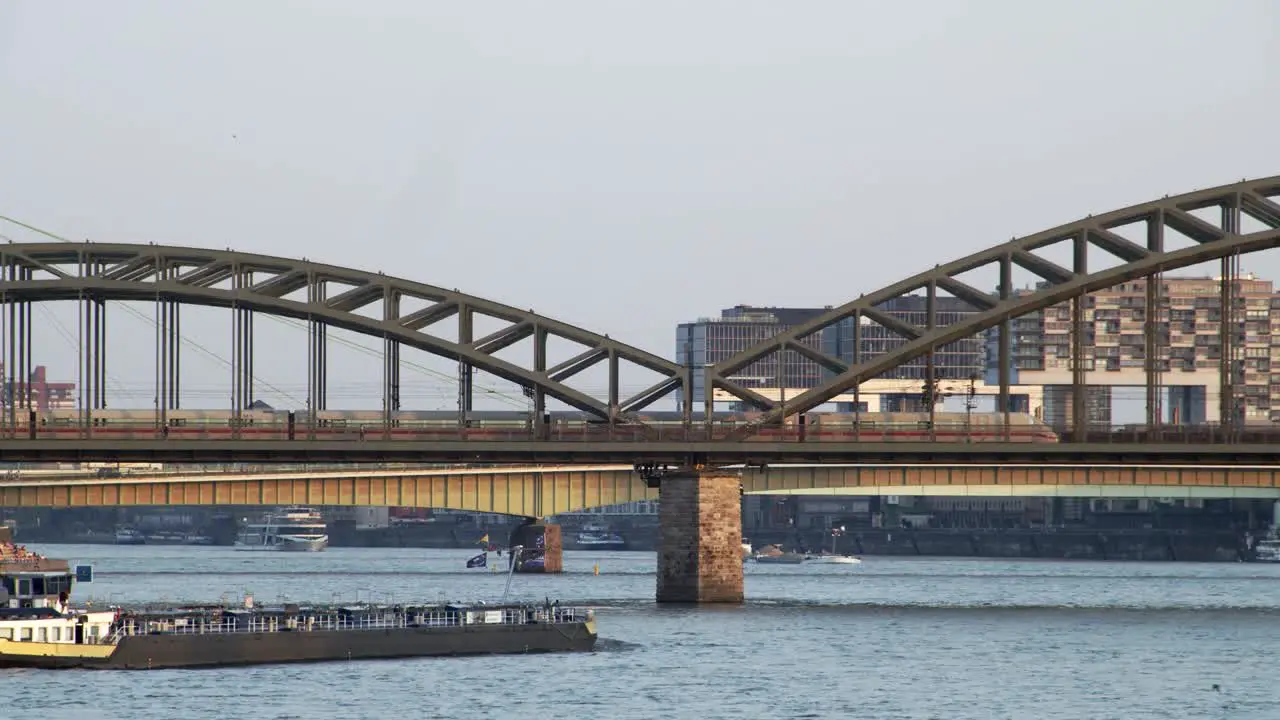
[{"x": 544, "y": 451}]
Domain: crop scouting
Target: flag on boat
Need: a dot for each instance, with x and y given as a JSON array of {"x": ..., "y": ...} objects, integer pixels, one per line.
[
  {"x": 478, "y": 561},
  {"x": 484, "y": 540}
]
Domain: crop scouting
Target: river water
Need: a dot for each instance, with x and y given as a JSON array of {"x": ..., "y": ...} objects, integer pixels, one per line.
[{"x": 891, "y": 638}]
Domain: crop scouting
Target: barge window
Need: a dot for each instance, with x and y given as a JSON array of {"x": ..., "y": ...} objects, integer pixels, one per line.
[
  {"x": 24, "y": 634},
  {"x": 6, "y": 633},
  {"x": 56, "y": 585}
]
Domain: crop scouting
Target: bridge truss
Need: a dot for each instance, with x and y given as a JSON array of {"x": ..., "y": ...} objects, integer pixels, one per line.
[
  {"x": 1215, "y": 238},
  {"x": 324, "y": 296},
  {"x": 405, "y": 313}
]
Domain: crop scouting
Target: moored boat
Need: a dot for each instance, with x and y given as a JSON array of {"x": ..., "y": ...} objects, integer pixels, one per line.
[
  {"x": 772, "y": 554},
  {"x": 291, "y": 529},
  {"x": 833, "y": 560},
  {"x": 129, "y": 536},
  {"x": 39, "y": 628},
  {"x": 1267, "y": 550},
  {"x": 594, "y": 536}
]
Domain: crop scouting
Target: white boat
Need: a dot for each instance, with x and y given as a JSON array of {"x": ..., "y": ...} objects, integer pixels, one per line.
[
  {"x": 746, "y": 549},
  {"x": 832, "y": 557},
  {"x": 129, "y": 536},
  {"x": 291, "y": 529},
  {"x": 599, "y": 537},
  {"x": 833, "y": 560},
  {"x": 1267, "y": 550}
]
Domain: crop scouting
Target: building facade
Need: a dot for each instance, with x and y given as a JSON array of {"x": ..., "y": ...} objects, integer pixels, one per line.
[
  {"x": 38, "y": 391},
  {"x": 1188, "y": 328},
  {"x": 712, "y": 340}
]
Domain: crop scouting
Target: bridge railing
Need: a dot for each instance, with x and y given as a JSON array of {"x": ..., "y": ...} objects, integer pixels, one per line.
[{"x": 568, "y": 432}]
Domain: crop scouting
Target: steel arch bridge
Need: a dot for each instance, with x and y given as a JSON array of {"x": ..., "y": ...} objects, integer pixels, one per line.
[
  {"x": 1220, "y": 240},
  {"x": 377, "y": 305}
]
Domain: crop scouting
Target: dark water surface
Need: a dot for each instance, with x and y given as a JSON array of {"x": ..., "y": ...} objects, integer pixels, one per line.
[{"x": 891, "y": 638}]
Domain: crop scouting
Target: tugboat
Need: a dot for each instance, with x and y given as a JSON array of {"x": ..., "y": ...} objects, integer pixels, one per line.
[{"x": 39, "y": 628}]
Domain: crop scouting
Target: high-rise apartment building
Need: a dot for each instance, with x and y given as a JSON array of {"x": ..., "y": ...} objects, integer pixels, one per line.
[
  {"x": 712, "y": 340},
  {"x": 959, "y": 360},
  {"x": 1189, "y": 325},
  {"x": 1115, "y": 329}
]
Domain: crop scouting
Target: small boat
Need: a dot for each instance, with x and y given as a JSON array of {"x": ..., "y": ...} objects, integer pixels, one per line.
[
  {"x": 129, "y": 536},
  {"x": 39, "y": 628},
  {"x": 833, "y": 560},
  {"x": 832, "y": 557},
  {"x": 599, "y": 537},
  {"x": 772, "y": 554},
  {"x": 1267, "y": 550},
  {"x": 746, "y": 549}
]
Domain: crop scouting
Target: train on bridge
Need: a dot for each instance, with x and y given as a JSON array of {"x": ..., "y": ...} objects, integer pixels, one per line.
[{"x": 269, "y": 424}]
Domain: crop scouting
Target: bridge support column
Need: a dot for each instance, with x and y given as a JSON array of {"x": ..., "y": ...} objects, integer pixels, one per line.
[
  {"x": 700, "y": 545},
  {"x": 542, "y": 548}
]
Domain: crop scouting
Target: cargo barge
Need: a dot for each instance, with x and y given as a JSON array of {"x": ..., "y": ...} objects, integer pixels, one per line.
[{"x": 39, "y": 629}]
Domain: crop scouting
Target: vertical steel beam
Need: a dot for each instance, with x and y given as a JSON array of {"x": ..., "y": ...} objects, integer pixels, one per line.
[
  {"x": 173, "y": 354},
  {"x": 160, "y": 401},
  {"x": 686, "y": 393},
  {"x": 780, "y": 380},
  {"x": 6, "y": 344},
  {"x": 246, "y": 363},
  {"x": 930, "y": 370},
  {"x": 854, "y": 361},
  {"x": 1004, "y": 340},
  {"x": 709, "y": 376},
  {"x": 25, "y": 345},
  {"x": 540, "y": 336},
  {"x": 1079, "y": 390},
  {"x": 614, "y": 390},
  {"x": 466, "y": 373},
  {"x": 1155, "y": 325},
  {"x": 82, "y": 358},
  {"x": 1230, "y": 409},
  {"x": 316, "y": 347},
  {"x": 100, "y": 352},
  {"x": 390, "y": 362},
  {"x": 237, "y": 354}
]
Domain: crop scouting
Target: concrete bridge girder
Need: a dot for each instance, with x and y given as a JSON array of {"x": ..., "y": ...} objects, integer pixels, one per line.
[{"x": 546, "y": 491}]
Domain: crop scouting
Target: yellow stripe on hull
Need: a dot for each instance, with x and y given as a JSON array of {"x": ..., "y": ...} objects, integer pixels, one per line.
[{"x": 15, "y": 648}]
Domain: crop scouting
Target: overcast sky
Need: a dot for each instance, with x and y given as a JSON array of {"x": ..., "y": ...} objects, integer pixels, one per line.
[{"x": 623, "y": 166}]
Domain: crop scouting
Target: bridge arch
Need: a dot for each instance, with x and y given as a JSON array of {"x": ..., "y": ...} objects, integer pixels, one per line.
[
  {"x": 1252, "y": 198},
  {"x": 34, "y": 272}
]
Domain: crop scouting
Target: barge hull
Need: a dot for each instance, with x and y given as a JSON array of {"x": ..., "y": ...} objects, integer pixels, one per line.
[{"x": 142, "y": 652}]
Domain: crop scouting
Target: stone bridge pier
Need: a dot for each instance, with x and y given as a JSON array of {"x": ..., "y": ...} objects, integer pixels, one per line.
[{"x": 700, "y": 542}]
